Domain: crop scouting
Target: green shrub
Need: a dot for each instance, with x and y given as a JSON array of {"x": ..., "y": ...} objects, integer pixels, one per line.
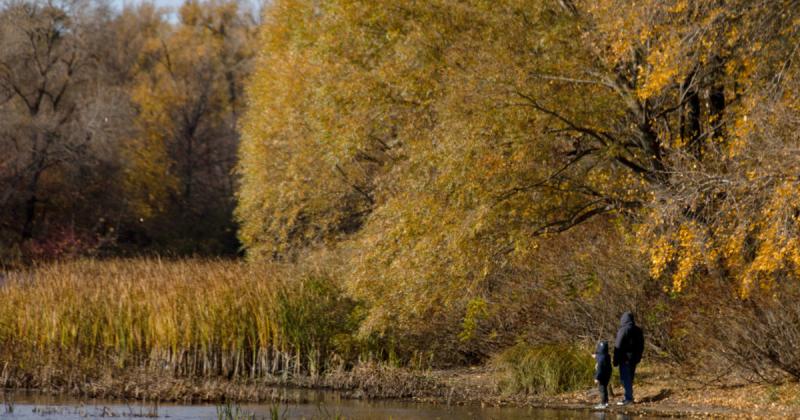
[
  {"x": 314, "y": 316},
  {"x": 545, "y": 369}
]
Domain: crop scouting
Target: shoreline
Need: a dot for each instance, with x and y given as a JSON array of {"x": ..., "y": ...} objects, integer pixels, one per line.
[{"x": 660, "y": 395}]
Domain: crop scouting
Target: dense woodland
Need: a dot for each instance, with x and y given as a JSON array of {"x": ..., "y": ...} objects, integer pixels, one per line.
[
  {"x": 466, "y": 174},
  {"x": 119, "y": 129}
]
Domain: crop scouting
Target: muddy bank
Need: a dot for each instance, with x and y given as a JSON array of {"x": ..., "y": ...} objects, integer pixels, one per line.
[{"x": 658, "y": 392}]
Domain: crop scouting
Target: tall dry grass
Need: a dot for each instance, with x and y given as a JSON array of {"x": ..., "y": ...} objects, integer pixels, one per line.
[
  {"x": 186, "y": 318},
  {"x": 545, "y": 369}
]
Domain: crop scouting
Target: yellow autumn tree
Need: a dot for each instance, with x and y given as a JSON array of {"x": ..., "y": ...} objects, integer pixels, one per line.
[
  {"x": 719, "y": 81},
  {"x": 423, "y": 138},
  {"x": 441, "y": 145}
]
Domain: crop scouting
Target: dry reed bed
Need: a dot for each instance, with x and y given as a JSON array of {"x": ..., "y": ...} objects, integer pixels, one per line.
[
  {"x": 187, "y": 318},
  {"x": 205, "y": 330}
]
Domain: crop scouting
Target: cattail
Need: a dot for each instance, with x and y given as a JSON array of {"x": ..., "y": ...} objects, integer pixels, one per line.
[{"x": 181, "y": 318}]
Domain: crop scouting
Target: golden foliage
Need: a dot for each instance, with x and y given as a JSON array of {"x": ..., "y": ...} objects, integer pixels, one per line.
[
  {"x": 435, "y": 143},
  {"x": 406, "y": 124}
]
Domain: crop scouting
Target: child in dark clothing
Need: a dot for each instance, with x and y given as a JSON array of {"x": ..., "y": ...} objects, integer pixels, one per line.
[{"x": 602, "y": 372}]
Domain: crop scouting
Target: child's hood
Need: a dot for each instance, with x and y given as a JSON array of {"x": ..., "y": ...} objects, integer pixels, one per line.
[{"x": 602, "y": 347}]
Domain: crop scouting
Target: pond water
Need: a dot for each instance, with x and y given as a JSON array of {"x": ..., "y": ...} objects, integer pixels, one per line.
[{"x": 320, "y": 405}]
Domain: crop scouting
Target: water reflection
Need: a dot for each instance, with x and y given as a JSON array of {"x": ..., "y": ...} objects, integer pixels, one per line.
[{"x": 304, "y": 405}]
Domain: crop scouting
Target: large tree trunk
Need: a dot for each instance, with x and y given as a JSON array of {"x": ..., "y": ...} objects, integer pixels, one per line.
[
  {"x": 690, "y": 119},
  {"x": 30, "y": 217},
  {"x": 716, "y": 103}
]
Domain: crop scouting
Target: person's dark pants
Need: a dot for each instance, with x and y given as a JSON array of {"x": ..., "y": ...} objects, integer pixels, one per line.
[
  {"x": 603, "y": 393},
  {"x": 627, "y": 371}
]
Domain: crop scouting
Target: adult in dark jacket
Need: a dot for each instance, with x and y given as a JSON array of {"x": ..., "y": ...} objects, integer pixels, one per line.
[
  {"x": 628, "y": 351},
  {"x": 602, "y": 371}
]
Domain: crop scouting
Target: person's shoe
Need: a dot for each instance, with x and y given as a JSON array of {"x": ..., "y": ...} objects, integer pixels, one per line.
[
  {"x": 602, "y": 406},
  {"x": 624, "y": 402}
]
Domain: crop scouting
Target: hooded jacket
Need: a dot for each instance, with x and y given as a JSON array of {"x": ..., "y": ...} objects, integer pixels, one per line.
[
  {"x": 629, "y": 345},
  {"x": 602, "y": 370}
]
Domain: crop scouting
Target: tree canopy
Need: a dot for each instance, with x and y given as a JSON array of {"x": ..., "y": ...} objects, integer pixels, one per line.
[{"x": 441, "y": 144}]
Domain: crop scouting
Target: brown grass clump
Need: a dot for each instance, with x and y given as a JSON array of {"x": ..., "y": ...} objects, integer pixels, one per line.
[
  {"x": 545, "y": 369},
  {"x": 74, "y": 321}
]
